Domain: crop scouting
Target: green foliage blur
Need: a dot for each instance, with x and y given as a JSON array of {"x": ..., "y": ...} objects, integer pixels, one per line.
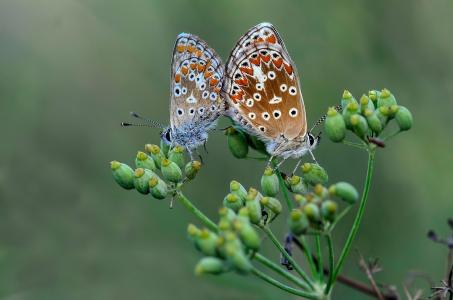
[{"x": 71, "y": 70}]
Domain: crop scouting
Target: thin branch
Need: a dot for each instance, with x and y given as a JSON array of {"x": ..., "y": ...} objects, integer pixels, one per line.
[{"x": 369, "y": 274}]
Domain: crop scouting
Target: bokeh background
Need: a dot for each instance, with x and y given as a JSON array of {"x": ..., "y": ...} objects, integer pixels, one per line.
[{"x": 71, "y": 70}]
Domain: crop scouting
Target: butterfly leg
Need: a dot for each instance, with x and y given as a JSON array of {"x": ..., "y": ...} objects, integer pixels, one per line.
[
  {"x": 279, "y": 164},
  {"x": 190, "y": 154},
  {"x": 297, "y": 166},
  {"x": 313, "y": 157},
  {"x": 270, "y": 161}
]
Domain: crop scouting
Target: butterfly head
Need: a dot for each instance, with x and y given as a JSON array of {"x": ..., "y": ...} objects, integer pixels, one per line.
[
  {"x": 166, "y": 135},
  {"x": 312, "y": 141}
]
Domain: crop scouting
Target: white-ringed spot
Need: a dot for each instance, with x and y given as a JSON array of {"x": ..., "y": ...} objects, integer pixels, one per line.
[
  {"x": 257, "y": 96},
  {"x": 259, "y": 86},
  {"x": 249, "y": 102},
  {"x": 213, "y": 108},
  {"x": 180, "y": 112},
  {"x": 184, "y": 90},
  {"x": 262, "y": 128},
  {"x": 191, "y": 111},
  {"x": 271, "y": 75},
  {"x": 265, "y": 115},
  {"x": 201, "y": 111},
  {"x": 177, "y": 91},
  {"x": 213, "y": 96},
  {"x": 293, "y": 112},
  {"x": 275, "y": 100},
  {"x": 252, "y": 116},
  {"x": 283, "y": 87},
  {"x": 292, "y": 90},
  {"x": 205, "y": 94},
  {"x": 277, "y": 114}
]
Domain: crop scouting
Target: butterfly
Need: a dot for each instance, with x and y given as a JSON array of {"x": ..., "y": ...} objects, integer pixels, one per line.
[
  {"x": 263, "y": 93},
  {"x": 195, "y": 102}
]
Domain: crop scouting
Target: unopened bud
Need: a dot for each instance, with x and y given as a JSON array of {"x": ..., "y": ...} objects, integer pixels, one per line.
[
  {"x": 238, "y": 259},
  {"x": 366, "y": 103},
  {"x": 359, "y": 125},
  {"x": 247, "y": 233},
  {"x": 404, "y": 118},
  {"x": 210, "y": 265},
  {"x": 314, "y": 174},
  {"x": 123, "y": 174},
  {"x": 158, "y": 187},
  {"x": 237, "y": 189},
  {"x": 155, "y": 153},
  {"x": 297, "y": 185},
  {"x": 176, "y": 155},
  {"x": 237, "y": 142},
  {"x": 142, "y": 160},
  {"x": 252, "y": 202},
  {"x": 386, "y": 98},
  {"x": 207, "y": 242},
  {"x": 141, "y": 180},
  {"x": 344, "y": 191},
  {"x": 347, "y": 98},
  {"x": 164, "y": 147},
  {"x": 192, "y": 168},
  {"x": 171, "y": 171},
  {"x": 335, "y": 126},
  {"x": 273, "y": 204},
  {"x": 227, "y": 214},
  {"x": 328, "y": 210},
  {"x": 351, "y": 110},
  {"x": 311, "y": 210},
  {"x": 298, "y": 222},
  {"x": 373, "y": 120},
  {"x": 300, "y": 199},
  {"x": 232, "y": 201},
  {"x": 269, "y": 183},
  {"x": 320, "y": 191}
]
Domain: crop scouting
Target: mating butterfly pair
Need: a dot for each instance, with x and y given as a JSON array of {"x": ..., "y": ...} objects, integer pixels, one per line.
[{"x": 260, "y": 91}]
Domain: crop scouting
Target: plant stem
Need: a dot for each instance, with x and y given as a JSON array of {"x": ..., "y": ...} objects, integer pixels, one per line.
[
  {"x": 193, "y": 209},
  {"x": 258, "y": 257},
  {"x": 273, "y": 266},
  {"x": 331, "y": 260},
  {"x": 340, "y": 216},
  {"x": 289, "y": 203},
  {"x": 319, "y": 254},
  {"x": 306, "y": 250},
  {"x": 353, "y": 144},
  {"x": 358, "y": 219},
  {"x": 282, "y": 286},
  {"x": 277, "y": 244}
]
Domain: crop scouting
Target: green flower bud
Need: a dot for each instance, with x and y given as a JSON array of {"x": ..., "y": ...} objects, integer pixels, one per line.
[
  {"x": 359, "y": 125},
  {"x": 237, "y": 142},
  {"x": 298, "y": 222},
  {"x": 176, "y": 155},
  {"x": 386, "y": 98},
  {"x": 232, "y": 201},
  {"x": 155, "y": 153},
  {"x": 144, "y": 161},
  {"x": 320, "y": 191},
  {"x": 373, "y": 120},
  {"x": 123, "y": 174},
  {"x": 164, "y": 147},
  {"x": 247, "y": 233},
  {"x": 404, "y": 118},
  {"x": 225, "y": 224},
  {"x": 314, "y": 174},
  {"x": 382, "y": 115},
  {"x": 210, "y": 265},
  {"x": 351, "y": 109},
  {"x": 347, "y": 98},
  {"x": 237, "y": 189},
  {"x": 193, "y": 232},
  {"x": 141, "y": 180},
  {"x": 393, "y": 110},
  {"x": 256, "y": 144},
  {"x": 300, "y": 199},
  {"x": 335, "y": 126},
  {"x": 273, "y": 204},
  {"x": 269, "y": 183},
  {"x": 366, "y": 103},
  {"x": 171, "y": 171},
  {"x": 227, "y": 214},
  {"x": 374, "y": 95},
  {"x": 207, "y": 242},
  {"x": 297, "y": 185},
  {"x": 192, "y": 168},
  {"x": 238, "y": 259},
  {"x": 158, "y": 187},
  {"x": 311, "y": 210},
  {"x": 313, "y": 198},
  {"x": 328, "y": 210},
  {"x": 252, "y": 202},
  {"x": 345, "y": 191}
]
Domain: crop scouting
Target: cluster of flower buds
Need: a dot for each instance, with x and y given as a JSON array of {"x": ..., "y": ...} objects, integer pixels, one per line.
[
  {"x": 367, "y": 117},
  {"x": 170, "y": 163},
  {"x": 239, "y": 142},
  {"x": 316, "y": 208}
]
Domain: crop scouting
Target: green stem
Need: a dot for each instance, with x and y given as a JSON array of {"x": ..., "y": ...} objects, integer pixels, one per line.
[
  {"x": 358, "y": 219},
  {"x": 258, "y": 257},
  {"x": 282, "y": 286},
  {"x": 320, "y": 262},
  {"x": 277, "y": 244},
  {"x": 308, "y": 255},
  {"x": 273, "y": 266},
  {"x": 331, "y": 261},
  {"x": 339, "y": 217},
  {"x": 193, "y": 209},
  {"x": 356, "y": 145},
  {"x": 391, "y": 135},
  {"x": 289, "y": 203}
]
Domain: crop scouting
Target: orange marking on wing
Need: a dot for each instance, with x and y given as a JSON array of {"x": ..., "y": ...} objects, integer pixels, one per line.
[
  {"x": 184, "y": 70},
  {"x": 255, "y": 61},
  {"x": 207, "y": 74},
  {"x": 198, "y": 53},
  {"x": 242, "y": 81},
  {"x": 246, "y": 70},
  {"x": 235, "y": 98},
  {"x": 266, "y": 58},
  {"x": 217, "y": 90},
  {"x": 193, "y": 66},
  {"x": 200, "y": 68},
  {"x": 190, "y": 49},
  {"x": 259, "y": 40},
  {"x": 208, "y": 63},
  {"x": 288, "y": 69},
  {"x": 180, "y": 48},
  {"x": 278, "y": 62},
  {"x": 177, "y": 78},
  {"x": 213, "y": 81},
  {"x": 271, "y": 39}
]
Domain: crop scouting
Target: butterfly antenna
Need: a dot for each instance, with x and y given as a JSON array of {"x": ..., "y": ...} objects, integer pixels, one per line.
[
  {"x": 323, "y": 118},
  {"x": 151, "y": 122},
  {"x": 126, "y": 124}
]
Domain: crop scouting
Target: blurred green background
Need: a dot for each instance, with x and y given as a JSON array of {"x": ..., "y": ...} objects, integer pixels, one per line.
[{"x": 71, "y": 70}]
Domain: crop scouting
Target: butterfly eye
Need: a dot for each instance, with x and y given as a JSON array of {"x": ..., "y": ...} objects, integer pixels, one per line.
[
  {"x": 293, "y": 112},
  {"x": 265, "y": 116},
  {"x": 177, "y": 91},
  {"x": 271, "y": 75},
  {"x": 213, "y": 96},
  {"x": 311, "y": 139},
  {"x": 184, "y": 90},
  {"x": 168, "y": 136},
  {"x": 205, "y": 94},
  {"x": 257, "y": 96},
  {"x": 180, "y": 111},
  {"x": 277, "y": 114},
  {"x": 283, "y": 87},
  {"x": 292, "y": 91}
]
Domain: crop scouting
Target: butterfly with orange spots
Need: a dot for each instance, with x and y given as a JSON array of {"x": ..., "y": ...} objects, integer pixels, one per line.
[{"x": 264, "y": 96}]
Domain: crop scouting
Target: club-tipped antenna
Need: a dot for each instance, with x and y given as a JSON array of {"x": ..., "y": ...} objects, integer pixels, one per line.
[
  {"x": 323, "y": 118},
  {"x": 149, "y": 121},
  {"x": 127, "y": 124}
]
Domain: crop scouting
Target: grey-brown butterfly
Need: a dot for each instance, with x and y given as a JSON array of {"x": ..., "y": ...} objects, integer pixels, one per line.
[
  {"x": 263, "y": 93},
  {"x": 195, "y": 101}
]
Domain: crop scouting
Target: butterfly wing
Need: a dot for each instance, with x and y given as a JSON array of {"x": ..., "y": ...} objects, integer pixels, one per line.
[
  {"x": 196, "y": 81},
  {"x": 262, "y": 87}
]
